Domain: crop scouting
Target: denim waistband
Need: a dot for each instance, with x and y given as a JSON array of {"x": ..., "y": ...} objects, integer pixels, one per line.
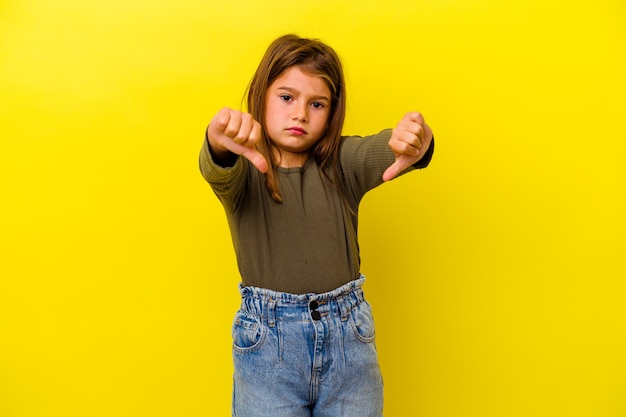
[{"x": 274, "y": 305}]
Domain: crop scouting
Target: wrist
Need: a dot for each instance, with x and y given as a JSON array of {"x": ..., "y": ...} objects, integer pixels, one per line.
[{"x": 220, "y": 155}]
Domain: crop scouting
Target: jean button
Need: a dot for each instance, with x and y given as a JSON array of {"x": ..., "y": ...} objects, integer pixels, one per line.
[
  {"x": 313, "y": 305},
  {"x": 315, "y": 315}
]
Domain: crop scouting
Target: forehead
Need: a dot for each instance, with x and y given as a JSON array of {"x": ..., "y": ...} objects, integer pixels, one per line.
[{"x": 295, "y": 79}]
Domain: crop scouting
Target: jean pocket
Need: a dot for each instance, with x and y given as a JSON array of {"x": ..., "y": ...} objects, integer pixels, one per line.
[
  {"x": 248, "y": 332},
  {"x": 363, "y": 323}
]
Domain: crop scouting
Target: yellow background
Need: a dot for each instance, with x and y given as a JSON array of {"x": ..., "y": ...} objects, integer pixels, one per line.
[{"x": 497, "y": 275}]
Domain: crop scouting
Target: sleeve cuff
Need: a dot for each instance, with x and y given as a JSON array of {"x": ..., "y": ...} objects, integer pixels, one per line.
[{"x": 425, "y": 160}]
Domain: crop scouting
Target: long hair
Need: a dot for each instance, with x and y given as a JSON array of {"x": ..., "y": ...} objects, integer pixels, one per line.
[{"x": 315, "y": 58}]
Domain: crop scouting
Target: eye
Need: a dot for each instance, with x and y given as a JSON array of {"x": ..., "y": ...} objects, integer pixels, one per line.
[
  {"x": 285, "y": 97},
  {"x": 317, "y": 105}
]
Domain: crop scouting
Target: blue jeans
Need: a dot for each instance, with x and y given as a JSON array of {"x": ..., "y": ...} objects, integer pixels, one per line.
[{"x": 307, "y": 355}]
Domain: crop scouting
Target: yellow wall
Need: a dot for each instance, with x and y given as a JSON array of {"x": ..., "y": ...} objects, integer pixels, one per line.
[{"x": 497, "y": 276}]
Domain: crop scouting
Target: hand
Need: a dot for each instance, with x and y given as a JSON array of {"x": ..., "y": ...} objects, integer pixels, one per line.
[
  {"x": 237, "y": 132},
  {"x": 409, "y": 141}
]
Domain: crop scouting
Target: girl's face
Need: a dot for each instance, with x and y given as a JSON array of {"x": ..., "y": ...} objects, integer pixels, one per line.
[{"x": 297, "y": 109}]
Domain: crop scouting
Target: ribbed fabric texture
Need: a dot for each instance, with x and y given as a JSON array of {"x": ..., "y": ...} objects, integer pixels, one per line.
[{"x": 307, "y": 244}]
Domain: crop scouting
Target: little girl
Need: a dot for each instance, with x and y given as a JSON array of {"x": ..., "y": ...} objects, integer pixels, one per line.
[{"x": 290, "y": 184}]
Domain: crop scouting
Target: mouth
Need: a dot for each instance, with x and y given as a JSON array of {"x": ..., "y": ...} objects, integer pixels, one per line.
[{"x": 296, "y": 131}]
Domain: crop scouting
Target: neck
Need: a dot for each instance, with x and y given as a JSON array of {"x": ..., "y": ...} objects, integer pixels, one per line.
[{"x": 290, "y": 159}]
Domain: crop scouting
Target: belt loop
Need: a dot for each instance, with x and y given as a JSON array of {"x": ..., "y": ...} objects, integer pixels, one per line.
[
  {"x": 344, "y": 307},
  {"x": 271, "y": 312}
]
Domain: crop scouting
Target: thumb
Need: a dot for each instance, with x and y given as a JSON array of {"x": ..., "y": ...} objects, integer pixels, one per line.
[
  {"x": 256, "y": 158},
  {"x": 248, "y": 152},
  {"x": 401, "y": 163}
]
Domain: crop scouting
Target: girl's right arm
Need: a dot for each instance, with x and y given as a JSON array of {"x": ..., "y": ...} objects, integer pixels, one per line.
[{"x": 231, "y": 133}]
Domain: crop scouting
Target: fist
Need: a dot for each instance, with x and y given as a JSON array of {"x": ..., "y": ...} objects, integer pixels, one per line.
[
  {"x": 409, "y": 140},
  {"x": 237, "y": 132}
]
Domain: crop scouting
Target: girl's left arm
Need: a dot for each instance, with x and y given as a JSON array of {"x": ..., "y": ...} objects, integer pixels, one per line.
[
  {"x": 363, "y": 160},
  {"x": 410, "y": 142}
]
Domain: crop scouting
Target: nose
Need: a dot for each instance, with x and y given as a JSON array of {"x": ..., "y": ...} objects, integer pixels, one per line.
[{"x": 300, "y": 112}]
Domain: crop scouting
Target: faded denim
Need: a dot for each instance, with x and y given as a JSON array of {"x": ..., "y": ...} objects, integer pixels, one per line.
[{"x": 307, "y": 355}]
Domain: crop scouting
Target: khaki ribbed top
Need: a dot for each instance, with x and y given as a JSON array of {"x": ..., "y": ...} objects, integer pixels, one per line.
[{"x": 308, "y": 243}]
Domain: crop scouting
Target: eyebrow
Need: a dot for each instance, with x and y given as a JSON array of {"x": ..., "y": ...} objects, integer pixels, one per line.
[{"x": 293, "y": 91}]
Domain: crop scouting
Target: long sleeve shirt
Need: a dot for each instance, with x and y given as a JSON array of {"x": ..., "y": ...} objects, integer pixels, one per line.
[{"x": 308, "y": 243}]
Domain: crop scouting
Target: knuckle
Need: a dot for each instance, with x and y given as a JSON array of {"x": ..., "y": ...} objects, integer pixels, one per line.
[
  {"x": 219, "y": 121},
  {"x": 253, "y": 137},
  {"x": 230, "y": 131},
  {"x": 240, "y": 137}
]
